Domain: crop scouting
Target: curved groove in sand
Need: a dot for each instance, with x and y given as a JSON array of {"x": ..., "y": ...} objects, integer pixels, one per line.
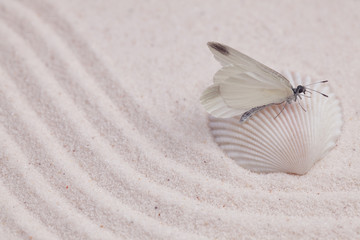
[
  {"x": 74, "y": 125},
  {"x": 124, "y": 101},
  {"x": 71, "y": 175},
  {"x": 131, "y": 177},
  {"x": 121, "y": 98}
]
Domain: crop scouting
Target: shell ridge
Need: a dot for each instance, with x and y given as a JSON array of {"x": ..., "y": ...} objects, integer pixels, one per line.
[
  {"x": 293, "y": 147},
  {"x": 227, "y": 138},
  {"x": 261, "y": 158},
  {"x": 282, "y": 135},
  {"x": 267, "y": 132},
  {"x": 257, "y": 160},
  {"x": 267, "y": 120}
]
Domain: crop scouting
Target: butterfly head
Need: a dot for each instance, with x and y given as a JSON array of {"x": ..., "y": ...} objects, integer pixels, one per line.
[
  {"x": 298, "y": 90},
  {"x": 302, "y": 89}
]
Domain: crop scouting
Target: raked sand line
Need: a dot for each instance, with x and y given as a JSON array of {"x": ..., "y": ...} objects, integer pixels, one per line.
[
  {"x": 70, "y": 176},
  {"x": 121, "y": 125},
  {"x": 228, "y": 204},
  {"x": 114, "y": 90},
  {"x": 182, "y": 152},
  {"x": 228, "y": 228},
  {"x": 14, "y": 63},
  {"x": 181, "y": 197},
  {"x": 68, "y": 37},
  {"x": 17, "y": 220},
  {"x": 19, "y": 66},
  {"x": 198, "y": 195},
  {"x": 41, "y": 200}
]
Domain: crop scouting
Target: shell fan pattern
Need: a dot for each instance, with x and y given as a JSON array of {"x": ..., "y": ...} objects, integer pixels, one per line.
[{"x": 291, "y": 143}]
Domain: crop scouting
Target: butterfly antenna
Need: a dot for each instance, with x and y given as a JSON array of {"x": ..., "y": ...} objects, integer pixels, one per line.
[
  {"x": 325, "y": 81},
  {"x": 281, "y": 111},
  {"x": 317, "y": 92}
]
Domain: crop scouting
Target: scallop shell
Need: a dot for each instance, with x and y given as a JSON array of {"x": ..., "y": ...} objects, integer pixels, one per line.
[{"x": 291, "y": 143}]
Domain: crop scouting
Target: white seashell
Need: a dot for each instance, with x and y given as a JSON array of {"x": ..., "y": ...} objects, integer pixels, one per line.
[{"x": 292, "y": 142}]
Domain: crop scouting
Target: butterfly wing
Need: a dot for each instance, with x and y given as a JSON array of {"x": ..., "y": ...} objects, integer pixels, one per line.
[
  {"x": 242, "y": 84},
  {"x": 228, "y": 56}
]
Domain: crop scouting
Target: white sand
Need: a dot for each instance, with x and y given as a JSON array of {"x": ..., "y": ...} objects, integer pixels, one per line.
[{"x": 102, "y": 135}]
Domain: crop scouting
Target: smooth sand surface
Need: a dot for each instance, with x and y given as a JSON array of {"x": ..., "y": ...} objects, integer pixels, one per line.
[{"x": 102, "y": 135}]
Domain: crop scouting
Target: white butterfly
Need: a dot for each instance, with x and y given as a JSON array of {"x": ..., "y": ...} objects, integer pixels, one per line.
[{"x": 244, "y": 86}]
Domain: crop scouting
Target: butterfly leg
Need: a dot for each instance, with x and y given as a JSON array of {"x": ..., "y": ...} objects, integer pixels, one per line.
[
  {"x": 281, "y": 110},
  {"x": 301, "y": 106}
]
